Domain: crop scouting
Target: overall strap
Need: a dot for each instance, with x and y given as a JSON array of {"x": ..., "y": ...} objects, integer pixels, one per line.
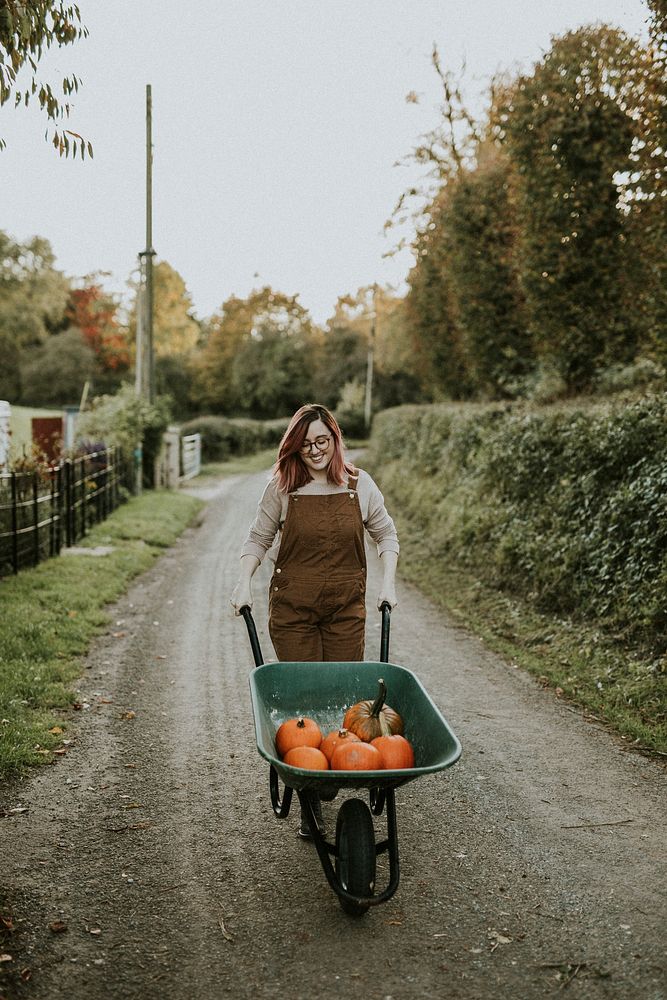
[{"x": 353, "y": 480}]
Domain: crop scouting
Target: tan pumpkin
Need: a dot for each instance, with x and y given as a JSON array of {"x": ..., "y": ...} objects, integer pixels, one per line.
[{"x": 370, "y": 719}]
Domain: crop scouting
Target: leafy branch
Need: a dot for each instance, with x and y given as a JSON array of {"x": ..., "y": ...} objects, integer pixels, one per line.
[{"x": 27, "y": 29}]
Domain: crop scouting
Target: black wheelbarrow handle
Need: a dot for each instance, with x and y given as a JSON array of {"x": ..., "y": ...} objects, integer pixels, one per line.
[{"x": 385, "y": 609}]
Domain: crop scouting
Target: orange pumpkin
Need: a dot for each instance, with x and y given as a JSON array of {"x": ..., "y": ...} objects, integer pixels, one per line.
[
  {"x": 334, "y": 739},
  {"x": 356, "y": 756},
  {"x": 301, "y": 732},
  {"x": 395, "y": 751},
  {"x": 309, "y": 758},
  {"x": 369, "y": 719}
]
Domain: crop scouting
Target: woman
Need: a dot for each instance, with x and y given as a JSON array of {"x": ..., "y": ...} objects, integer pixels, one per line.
[{"x": 318, "y": 505}]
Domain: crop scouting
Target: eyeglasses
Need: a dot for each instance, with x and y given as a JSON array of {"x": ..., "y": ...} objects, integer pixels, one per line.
[{"x": 321, "y": 443}]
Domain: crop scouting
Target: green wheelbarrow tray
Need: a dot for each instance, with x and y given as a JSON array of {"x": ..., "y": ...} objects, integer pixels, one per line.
[{"x": 324, "y": 692}]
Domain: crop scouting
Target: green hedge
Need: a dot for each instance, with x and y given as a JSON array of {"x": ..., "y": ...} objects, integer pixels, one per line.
[
  {"x": 225, "y": 437},
  {"x": 565, "y": 506}
]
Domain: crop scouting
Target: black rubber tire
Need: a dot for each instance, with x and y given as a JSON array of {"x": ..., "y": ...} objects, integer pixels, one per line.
[{"x": 355, "y": 854}]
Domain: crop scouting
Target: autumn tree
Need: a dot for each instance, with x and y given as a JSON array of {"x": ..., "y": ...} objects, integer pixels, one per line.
[
  {"x": 176, "y": 335},
  {"x": 258, "y": 356},
  {"x": 27, "y": 29},
  {"x": 94, "y": 312},
  {"x": 371, "y": 312}
]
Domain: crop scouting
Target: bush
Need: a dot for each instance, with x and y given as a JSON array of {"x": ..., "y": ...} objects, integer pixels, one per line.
[
  {"x": 225, "y": 437},
  {"x": 564, "y": 506},
  {"x": 124, "y": 420}
]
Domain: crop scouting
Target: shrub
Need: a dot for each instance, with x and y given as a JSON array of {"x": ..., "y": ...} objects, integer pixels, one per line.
[
  {"x": 224, "y": 437},
  {"x": 125, "y": 420},
  {"x": 566, "y": 506}
]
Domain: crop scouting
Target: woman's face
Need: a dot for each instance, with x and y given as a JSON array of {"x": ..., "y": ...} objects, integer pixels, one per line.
[{"x": 317, "y": 458}]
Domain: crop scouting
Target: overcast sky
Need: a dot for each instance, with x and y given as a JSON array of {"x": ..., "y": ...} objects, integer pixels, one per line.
[{"x": 276, "y": 127}]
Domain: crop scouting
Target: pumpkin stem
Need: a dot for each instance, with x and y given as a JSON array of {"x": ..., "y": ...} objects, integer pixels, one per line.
[
  {"x": 376, "y": 707},
  {"x": 301, "y": 722}
]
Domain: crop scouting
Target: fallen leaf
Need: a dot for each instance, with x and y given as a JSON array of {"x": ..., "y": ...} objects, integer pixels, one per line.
[
  {"x": 7, "y": 923},
  {"x": 6, "y": 958},
  {"x": 72, "y": 614},
  {"x": 132, "y": 805},
  {"x": 106, "y": 701},
  {"x": 118, "y": 635},
  {"x": 61, "y": 751},
  {"x": 56, "y": 730},
  {"x": 95, "y": 931},
  {"x": 25, "y": 975},
  {"x": 57, "y": 926},
  {"x": 129, "y": 715},
  {"x": 160, "y": 656}
]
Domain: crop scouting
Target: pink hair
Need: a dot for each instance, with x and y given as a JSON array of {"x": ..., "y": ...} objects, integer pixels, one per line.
[{"x": 290, "y": 469}]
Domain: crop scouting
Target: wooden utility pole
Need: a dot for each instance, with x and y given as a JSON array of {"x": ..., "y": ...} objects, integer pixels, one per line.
[
  {"x": 149, "y": 252},
  {"x": 368, "y": 402}
]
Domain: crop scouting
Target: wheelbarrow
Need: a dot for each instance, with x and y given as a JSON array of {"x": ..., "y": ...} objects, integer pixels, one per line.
[{"x": 323, "y": 692}]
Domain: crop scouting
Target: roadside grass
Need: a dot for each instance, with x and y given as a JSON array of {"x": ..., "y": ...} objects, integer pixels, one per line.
[
  {"x": 51, "y": 613},
  {"x": 616, "y": 684}
]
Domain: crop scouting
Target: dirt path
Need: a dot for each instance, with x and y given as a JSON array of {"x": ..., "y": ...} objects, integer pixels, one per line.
[{"x": 534, "y": 866}]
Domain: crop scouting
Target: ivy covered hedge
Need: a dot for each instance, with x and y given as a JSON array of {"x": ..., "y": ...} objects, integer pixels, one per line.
[{"x": 564, "y": 506}]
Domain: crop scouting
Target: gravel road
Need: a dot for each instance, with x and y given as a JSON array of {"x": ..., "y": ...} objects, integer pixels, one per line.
[{"x": 533, "y": 868}]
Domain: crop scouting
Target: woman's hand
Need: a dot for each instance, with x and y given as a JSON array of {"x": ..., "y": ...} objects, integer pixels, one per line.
[
  {"x": 241, "y": 596},
  {"x": 387, "y": 595},
  {"x": 242, "y": 592}
]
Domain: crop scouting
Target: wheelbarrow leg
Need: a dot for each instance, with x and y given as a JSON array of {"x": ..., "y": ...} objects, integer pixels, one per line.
[{"x": 281, "y": 804}]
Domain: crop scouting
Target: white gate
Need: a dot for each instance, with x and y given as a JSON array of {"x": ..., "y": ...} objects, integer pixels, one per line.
[{"x": 190, "y": 456}]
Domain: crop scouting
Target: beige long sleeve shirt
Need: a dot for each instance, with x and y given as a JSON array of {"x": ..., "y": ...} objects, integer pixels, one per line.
[{"x": 264, "y": 534}]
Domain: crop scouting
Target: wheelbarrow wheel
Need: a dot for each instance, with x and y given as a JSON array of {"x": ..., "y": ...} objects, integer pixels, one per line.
[{"x": 355, "y": 854}]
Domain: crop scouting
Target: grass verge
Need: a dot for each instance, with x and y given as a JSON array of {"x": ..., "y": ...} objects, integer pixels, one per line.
[
  {"x": 615, "y": 684},
  {"x": 244, "y": 464},
  {"x": 50, "y": 614}
]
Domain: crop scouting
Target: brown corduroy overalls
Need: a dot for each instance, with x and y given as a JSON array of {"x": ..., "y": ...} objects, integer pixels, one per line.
[{"x": 317, "y": 608}]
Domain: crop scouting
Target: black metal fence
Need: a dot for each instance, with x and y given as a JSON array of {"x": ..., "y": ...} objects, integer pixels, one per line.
[{"x": 43, "y": 509}]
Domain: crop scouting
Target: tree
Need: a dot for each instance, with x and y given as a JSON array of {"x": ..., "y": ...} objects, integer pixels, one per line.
[
  {"x": 343, "y": 360},
  {"x": 33, "y": 297},
  {"x": 571, "y": 131},
  {"x": 176, "y": 335},
  {"x": 481, "y": 247},
  {"x": 258, "y": 355},
  {"x": 27, "y": 29},
  {"x": 431, "y": 311},
  {"x": 95, "y": 313},
  {"x": 55, "y": 373}
]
